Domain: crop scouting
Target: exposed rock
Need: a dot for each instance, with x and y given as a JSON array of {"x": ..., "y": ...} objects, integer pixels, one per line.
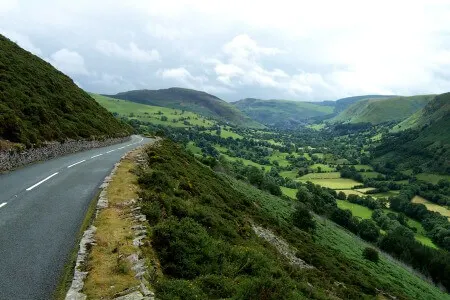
[
  {"x": 283, "y": 247},
  {"x": 10, "y": 160}
]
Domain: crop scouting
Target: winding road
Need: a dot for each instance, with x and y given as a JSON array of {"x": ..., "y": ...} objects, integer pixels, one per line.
[{"x": 42, "y": 207}]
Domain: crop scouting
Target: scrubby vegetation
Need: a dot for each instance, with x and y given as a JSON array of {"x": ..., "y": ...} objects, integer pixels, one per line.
[
  {"x": 38, "y": 103},
  {"x": 202, "y": 233}
]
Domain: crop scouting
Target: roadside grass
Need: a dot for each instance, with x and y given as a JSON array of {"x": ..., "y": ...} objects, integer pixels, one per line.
[
  {"x": 109, "y": 271},
  {"x": 289, "y": 174},
  {"x": 432, "y": 178},
  {"x": 356, "y": 209},
  {"x": 152, "y": 114},
  {"x": 323, "y": 167},
  {"x": 291, "y": 193},
  {"x": 432, "y": 206}
]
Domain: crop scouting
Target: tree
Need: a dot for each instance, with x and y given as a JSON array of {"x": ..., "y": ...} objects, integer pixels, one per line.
[
  {"x": 303, "y": 219},
  {"x": 368, "y": 230},
  {"x": 341, "y": 196}
]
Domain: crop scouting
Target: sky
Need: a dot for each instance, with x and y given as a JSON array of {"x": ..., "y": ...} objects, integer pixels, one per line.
[{"x": 296, "y": 50}]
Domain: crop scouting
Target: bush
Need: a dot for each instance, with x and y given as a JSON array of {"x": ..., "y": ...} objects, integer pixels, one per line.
[
  {"x": 303, "y": 219},
  {"x": 371, "y": 254}
]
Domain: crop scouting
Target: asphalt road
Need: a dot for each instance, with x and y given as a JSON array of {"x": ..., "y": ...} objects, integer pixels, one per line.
[{"x": 42, "y": 207}]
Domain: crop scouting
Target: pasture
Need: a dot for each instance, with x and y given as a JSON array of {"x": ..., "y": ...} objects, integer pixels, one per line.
[{"x": 432, "y": 206}]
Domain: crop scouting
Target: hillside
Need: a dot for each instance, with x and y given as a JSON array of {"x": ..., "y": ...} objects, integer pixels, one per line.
[
  {"x": 39, "y": 103},
  {"x": 434, "y": 111},
  {"x": 377, "y": 111},
  {"x": 342, "y": 104},
  {"x": 275, "y": 112},
  {"x": 427, "y": 142},
  {"x": 215, "y": 237},
  {"x": 190, "y": 100}
]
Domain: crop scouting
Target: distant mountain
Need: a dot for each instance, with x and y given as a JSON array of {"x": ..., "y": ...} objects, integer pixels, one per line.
[
  {"x": 426, "y": 143},
  {"x": 39, "y": 103},
  {"x": 381, "y": 110},
  {"x": 343, "y": 103},
  {"x": 190, "y": 100},
  {"x": 276, "y": 112}
]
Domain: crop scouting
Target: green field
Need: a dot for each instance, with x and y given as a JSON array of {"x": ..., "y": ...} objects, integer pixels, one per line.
[
  {"x": 317, "y": 126},
  {"x": 193, "y": 148},
  {"x": 226, "y": 133},
  {"x": 351, "y": 192},
  {"x": 370, "y": 174},
  {"x": 152, "y": 114},
  {"x": 385, "y": 195},
  {"x": 432, "y": 178},
  {"x": 330, "y": 175},
  {"x": 323, "y": 167},
  {"x": 280, "y": 157},
  {"x": 289, "y": 174},
  {"x": 432, "y": 206},
  {"x": 421, "y": 234},
  {"x": 289, "y": 192},
  {"x": 335, "y": 184},
  {"x": 247, "y": 162},
  {"x": 367, "y": 168},
  {"x": 356, "y": 209}
]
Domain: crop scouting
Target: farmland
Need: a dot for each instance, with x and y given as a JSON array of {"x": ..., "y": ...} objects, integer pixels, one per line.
[{"x": 432, "y": 206}]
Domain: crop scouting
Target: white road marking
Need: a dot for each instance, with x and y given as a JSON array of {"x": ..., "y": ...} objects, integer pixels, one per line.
[
  {"x": 129, "y": 145},
  {"x": 42, "y": 181},
  {"x": 110, "y": 151},
  {"x": 97, "y": 155},
  {"x": 120, "y": 148},
  {"x": 3, "y": 204},
  {"x": 81, "y": 161}
]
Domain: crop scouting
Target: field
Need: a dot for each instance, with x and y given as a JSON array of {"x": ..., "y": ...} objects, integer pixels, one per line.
[
  {"x": 367, "y": 168},
  {"x": 289, "y": 174},
  {"x": 432, "y": 207},
  {"x": 385, "y": 195},
  {"x": 193, "y": 148},
  {"x": 421, "y": 234},
  {"x": 280, "y": 157},
  {"x": 330, "y": 175},
  {"x": 335, "y": 184},
  {"x": 289, "y": 192},
  {"x": 247, "y": 162},
  {"x": 351, "y": 192},
  {"x": 226, "y": 133},
  {"x": 152, "y": 114},
  {"x": 356, "y": 209},
  {"x": 370, "y": 174},
  {"x": 432, "y": 178},
  {"x": 323, "y": 168}
]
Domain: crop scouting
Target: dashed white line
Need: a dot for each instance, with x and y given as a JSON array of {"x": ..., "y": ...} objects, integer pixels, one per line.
[
  {"x": 120, "y": 148},
  {"x": 110, "y": 151},
  {"x": 3, "y": 204},
  {"x": 42, "y": 181},
  {"x": 81, "y": 161},
  {"x": 129, "y": 145},
  {"x": 97, "y": 155}
]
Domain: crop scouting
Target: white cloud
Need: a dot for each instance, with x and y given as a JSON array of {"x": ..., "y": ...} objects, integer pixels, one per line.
[
  {"x": 69, "y": 62},
  {"x": 132, "y": 53},
  {"x": 21, "y": 40},
  {"x": 170, "y": 33},
  {"x": 8, "y": 6}
]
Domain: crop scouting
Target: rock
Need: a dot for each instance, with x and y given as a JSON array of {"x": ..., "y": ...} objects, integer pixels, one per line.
[
  {"x": 133, "y": 296},
  {"x": 137, "y": 242},
  {"x": 72, "y": 295}
]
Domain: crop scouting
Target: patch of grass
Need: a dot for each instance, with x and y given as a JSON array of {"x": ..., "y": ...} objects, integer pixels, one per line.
[
  {"x": 370, "y": 174},
  {"x": 351, "y": 192},
  {"x": 367, "y": 168},
  {"x": 335, "y": 184},
  {"x": 385, "y": 194},
  {"x": 356, "y": 209},
  {"x": 280, "y": 157},
  {"x": 330, "y": 175},
  {"x": 291, "y": 193},
  {"x": 247, "y": 162},
  {"x": 109, "y": 271},
  {"x": 317, "y": 126},
  {"x": 289, "y": 174},
  {"x": 432, "y": 178},
  {"x": 323, "y": 168},
  {"x": 193, "y": 148},
  {"x": 432, "y": 206},
  {"x": 364, "y": 190}
]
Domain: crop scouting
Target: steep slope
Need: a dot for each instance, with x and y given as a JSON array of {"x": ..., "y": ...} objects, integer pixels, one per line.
[
  {"x": 434, "y": 111},
  {"x": 342, "y": 104},
  {"x": 273, "y": 112},
  {"x": 190, "y": 100},
  {"x": 377, "y": 111},
  {"x": 38, "y": 103},
  {"x": 427, "y": 142}
]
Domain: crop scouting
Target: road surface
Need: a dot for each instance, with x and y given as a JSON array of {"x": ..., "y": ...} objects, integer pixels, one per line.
[{"x": 42, "y": 207}]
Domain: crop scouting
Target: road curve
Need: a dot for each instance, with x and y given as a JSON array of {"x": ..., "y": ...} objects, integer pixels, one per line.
[{"x": 42, "y": 207}]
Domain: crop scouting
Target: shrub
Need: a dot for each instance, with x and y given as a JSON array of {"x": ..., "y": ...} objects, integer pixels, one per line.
[
  {"x": 303, "y": 219},
  {"x": 371, "y": 254}
]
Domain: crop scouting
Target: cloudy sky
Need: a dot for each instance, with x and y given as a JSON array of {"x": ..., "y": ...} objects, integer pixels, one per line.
[{"x": 299, "y": 50}]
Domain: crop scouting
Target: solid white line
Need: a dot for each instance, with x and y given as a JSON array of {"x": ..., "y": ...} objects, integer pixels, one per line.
[
  {"x": 97, "y": 155},
  {"x": 110, "y": 151},
  {"x": 76, "y": 163},
  {"x": 42, "y": 181},
  {"x": 3, "y": 204}
]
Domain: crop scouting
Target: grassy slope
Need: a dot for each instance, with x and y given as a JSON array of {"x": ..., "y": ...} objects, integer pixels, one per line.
[
  {"x": 39, "y": 103},
  {"x": 275, "y": 111},
  {"x": 224, "y": 208},
  {"x": 150, "y": 113},
  {"x": 376, "y": 111},
  {"x": 190, "y": 100}
]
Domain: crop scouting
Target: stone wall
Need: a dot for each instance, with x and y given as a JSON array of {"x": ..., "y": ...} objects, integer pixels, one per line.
[{"x": 10, "y": 160}]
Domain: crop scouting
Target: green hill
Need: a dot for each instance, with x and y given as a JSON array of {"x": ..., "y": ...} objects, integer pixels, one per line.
[
  {"x": 342, "y": 104},
  {"x": 275, "y": 112},
  {"x": 39, "y": 103},
  {"x": 377, "y": 111},
  {"x": 190, "y": 100},
  {"x": 426, "y": 143}
]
